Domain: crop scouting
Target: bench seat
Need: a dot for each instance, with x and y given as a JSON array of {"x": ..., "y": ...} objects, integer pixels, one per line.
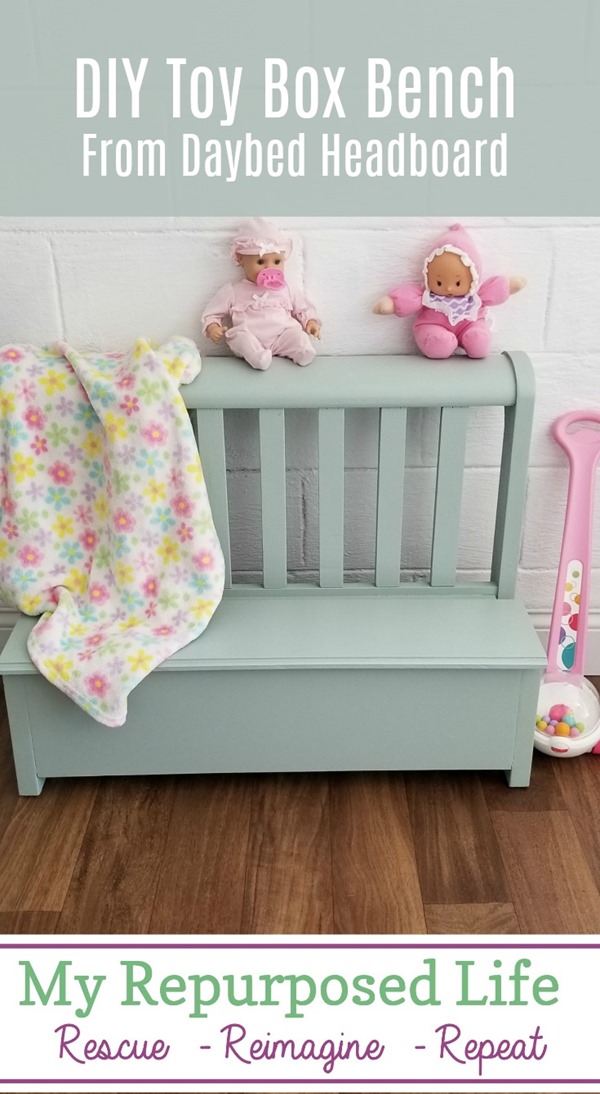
[{"x": 447, "y": 707}]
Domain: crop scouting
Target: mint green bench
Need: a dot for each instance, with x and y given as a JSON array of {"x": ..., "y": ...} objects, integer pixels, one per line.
[{"x": 329, "y": 675}]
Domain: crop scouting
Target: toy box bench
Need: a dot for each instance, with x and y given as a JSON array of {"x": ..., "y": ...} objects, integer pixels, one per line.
[{"x": 339, "y": 675}]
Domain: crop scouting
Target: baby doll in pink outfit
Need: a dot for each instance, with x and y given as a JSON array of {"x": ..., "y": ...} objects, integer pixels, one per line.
[
  {"x": 451, "y": 305},
  {"x": 268, "y": 317}
]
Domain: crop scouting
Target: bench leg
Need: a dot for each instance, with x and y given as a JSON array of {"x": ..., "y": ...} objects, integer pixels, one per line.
[
  {"x": 20, "y": 731},
  {"x": 520, "y": 772}
]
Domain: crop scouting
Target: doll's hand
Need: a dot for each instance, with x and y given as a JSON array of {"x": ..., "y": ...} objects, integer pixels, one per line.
[
  {"x": 384, "y": 306},
  {"x": 313, "y": 327},
  {"x": 215, "y": 332},
  {"x": 515, "y": 284}
]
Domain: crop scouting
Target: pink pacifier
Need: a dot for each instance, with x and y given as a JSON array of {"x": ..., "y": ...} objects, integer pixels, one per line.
[{"x": 271, "y": 278}]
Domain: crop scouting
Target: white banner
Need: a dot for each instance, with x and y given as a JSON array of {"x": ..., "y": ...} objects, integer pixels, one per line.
[{"x": 299, "y": 1014}]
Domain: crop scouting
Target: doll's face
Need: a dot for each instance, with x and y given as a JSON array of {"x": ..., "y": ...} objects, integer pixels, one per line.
[
  {"x": 447, "y": 275},
  {"x": 253, "y": 264}
]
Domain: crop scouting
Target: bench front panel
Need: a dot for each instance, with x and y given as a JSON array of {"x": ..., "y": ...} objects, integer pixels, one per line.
[{"x": 286, "y": 720}]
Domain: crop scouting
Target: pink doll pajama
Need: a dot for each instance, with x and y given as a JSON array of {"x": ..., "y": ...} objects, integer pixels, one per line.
[{"x": 265, "y": 322}]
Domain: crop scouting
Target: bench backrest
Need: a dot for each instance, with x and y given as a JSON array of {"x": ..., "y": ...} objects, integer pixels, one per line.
[{"x": 395, "y": 386}]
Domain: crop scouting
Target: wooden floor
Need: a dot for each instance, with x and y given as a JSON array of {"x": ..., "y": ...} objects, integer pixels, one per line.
[{"x": 303, "y": 854}]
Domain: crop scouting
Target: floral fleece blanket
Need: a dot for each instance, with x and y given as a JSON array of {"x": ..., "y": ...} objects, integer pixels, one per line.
[{"x": 105, "y": 526}]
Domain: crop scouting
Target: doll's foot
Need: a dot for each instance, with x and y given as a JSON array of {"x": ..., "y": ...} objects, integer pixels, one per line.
[
  {"x": 476, "y": 342},
  {"x": 261, "y": 361},
  {"x": 246, "y": 345},
  {"x": 435, "y": 342},
  {"x": 304, "y": 356}
]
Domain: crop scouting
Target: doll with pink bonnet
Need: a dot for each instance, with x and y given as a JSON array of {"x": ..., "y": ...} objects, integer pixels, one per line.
[
  {"x": 450, "y": 305},
  {"x": 268, "y": 317}
]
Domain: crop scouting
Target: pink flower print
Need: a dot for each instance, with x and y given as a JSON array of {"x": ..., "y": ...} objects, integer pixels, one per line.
[
  {"x": 155, "y": 433},
  {"x": 150, "y": 586},
  {"x": 88, "y": 539},
  {"x": 34, "y": 418},
  {"x": 126, "y": 380},
  {"x": 11, "y": 353},
  {"x": 150, "y": 611},
  {"x": 182, "y": 505},
  {"x": 39, "y": 445},
  {"x": 185, "y": 532},
  {"x": 98, "y": 593},
  {"x": 10, "y": 530},
  {"x": 130, "y": 405},
  {"x": 204, "y": 560},
  {"x": 94, "y": 640},
  {"x": 85, "y": 655},
  {"x": 8, "y": 505},
  {"x": 162, "y": 630},
  {"x": 122, "y": 521},
  {"x": 61, "y": 474},
  {"x": 97, "y": 684},
  {"x": 176, "y": 479},
  {"x": 30, "y": 556}
]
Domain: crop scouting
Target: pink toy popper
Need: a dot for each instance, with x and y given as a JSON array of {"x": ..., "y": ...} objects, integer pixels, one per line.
[{"x": 565, "y": 687}]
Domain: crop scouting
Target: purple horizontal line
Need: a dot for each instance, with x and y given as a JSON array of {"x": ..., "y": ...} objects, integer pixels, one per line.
[
  {"x": 299, "y": 946},
  {"x": 304, "y": 1082}
]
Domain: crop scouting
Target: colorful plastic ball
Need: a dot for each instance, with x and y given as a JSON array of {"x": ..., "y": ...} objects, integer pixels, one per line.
[
  {"x": 558, "y": 711},
  {"x": 562, "y": 730},
  {"x": 550, "y": 730},
  {"x": 542, "y": 725},
  {"x": 574, "y": 732},
  {"x": 580, "y": 726},
  {"x": 569, "y": 719},
  {"x": 553, "y": 722}
]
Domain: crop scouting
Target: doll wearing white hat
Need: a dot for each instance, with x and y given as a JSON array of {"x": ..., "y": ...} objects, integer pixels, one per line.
[{"x": 268, "y": 317}]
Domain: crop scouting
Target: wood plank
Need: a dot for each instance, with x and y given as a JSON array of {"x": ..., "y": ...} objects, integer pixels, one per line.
[
  {"x": 288, "y": 879},
  {"x": 458, "y": 856},
  {"x": 542, "y": 794},
  {"x": 375, "y": 880},
  {"x": 471, "y": 919},
  {"x": 550, "y": 881},
  {"x": 579, "y": 782},
  {"x": 201, "y": 876},
  {"x": 28, "y": 922},
  {"x": 114, "y": 883},
  {"x": 41, "y": 844}
]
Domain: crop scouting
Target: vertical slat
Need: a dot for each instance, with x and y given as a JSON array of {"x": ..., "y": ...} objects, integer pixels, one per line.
[
  {"x": 513, "y": 478},
  {"x": 211, "y": 445},
  {"x": 331, "y": 499},
  {"x": 448, "y": 494},
  {"x": 273, "y": 498},
  {"x": 390, "y": 494}
]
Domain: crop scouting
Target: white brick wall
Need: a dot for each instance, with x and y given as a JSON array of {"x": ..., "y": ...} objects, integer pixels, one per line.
[{"x": 103, "y": 281}]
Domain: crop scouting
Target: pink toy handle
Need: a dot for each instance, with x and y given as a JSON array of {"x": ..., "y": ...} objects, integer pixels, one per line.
[{"x": 566, "y": 643}]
